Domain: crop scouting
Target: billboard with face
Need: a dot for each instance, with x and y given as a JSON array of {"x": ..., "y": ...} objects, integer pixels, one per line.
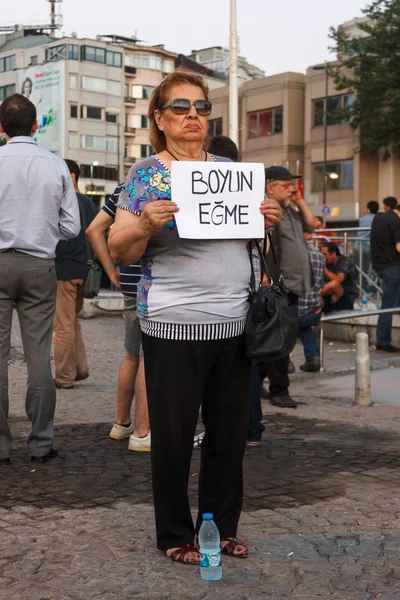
[{"x": 44, "y": 85}]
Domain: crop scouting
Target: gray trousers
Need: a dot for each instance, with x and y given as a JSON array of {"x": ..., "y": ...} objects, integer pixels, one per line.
[{"x": 28, "y": 283}]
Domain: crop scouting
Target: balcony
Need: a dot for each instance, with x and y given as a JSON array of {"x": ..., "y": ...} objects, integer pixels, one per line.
[
  {"x": 130, "y": 71},
  {"x": 129, "y": 100},
  {"x": 129, "y": 160},
  {"x": 129, "y": 130}
]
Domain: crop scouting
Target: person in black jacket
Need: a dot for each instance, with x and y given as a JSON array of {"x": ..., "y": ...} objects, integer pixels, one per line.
[{"x": 71, "y": 270}]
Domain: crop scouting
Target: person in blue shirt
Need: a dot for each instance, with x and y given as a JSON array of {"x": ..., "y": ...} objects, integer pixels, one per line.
[{"x": 365, "y": 247}]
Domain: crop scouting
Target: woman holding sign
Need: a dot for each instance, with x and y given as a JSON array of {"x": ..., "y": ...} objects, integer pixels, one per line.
[{"x": 192, "y": 304}]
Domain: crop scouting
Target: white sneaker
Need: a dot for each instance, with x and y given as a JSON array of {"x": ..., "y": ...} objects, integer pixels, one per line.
[
  {"x": 118, "y": 432},
  {"x": 140, "y": 444},
  {"x": 198, "y": 440}
]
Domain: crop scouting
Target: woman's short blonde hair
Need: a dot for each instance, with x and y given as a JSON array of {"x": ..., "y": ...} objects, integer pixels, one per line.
[{"x": 159, "y": 97}]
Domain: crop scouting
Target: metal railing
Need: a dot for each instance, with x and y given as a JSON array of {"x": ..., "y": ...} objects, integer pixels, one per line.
[
  {"x": 354, "y": 314},
  {"x": 345, "y": 238}
]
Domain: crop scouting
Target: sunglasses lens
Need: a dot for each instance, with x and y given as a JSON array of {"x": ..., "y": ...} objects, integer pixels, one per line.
[
  {"x": 180, "y": 106},
  {"x": 203, "y": 107}
]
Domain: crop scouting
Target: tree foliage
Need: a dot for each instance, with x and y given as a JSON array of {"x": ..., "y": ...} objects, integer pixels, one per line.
[{"x": 370, "y": 66}]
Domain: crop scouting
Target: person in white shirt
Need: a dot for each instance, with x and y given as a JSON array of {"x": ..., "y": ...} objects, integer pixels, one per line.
[{"x": 38, "y": 207}]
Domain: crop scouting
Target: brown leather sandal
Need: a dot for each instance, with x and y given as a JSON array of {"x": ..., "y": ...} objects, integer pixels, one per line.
[
  {"x": 180, "y": 554},
  {"x": 232, "y": 547}
]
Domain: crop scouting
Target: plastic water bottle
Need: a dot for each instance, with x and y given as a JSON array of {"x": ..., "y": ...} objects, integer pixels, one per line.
[
  {"x": 364, "y": 304},
  {"x": 210, "y": 551}
]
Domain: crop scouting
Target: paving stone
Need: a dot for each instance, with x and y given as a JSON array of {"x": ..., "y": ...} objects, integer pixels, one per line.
[{"x": 321, "y": 511}]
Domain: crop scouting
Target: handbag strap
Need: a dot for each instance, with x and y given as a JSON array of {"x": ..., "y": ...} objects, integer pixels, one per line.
[
  {"x": 263, "y": 264},
  {"x": 88, "y": 248},
  {"x": 263, "y": 261}
]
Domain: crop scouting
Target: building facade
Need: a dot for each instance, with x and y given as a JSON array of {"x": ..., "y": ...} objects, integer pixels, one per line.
[
  {"x": 217, "y": 59},
  {"x": 271, "y": 119}
]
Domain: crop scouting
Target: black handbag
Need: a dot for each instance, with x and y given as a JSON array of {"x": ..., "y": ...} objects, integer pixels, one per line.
[
  {"x": 91, "y": 287},
  {"x": 272, "y": 320}
]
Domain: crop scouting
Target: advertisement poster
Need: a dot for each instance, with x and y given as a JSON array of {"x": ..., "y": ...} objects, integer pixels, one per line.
[{"x": 44, "y": 85}]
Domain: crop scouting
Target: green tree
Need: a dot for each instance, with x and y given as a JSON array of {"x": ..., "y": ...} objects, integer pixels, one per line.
[
  {"x": 3, "y": 140},
  {"x": 370, "y": 66}
]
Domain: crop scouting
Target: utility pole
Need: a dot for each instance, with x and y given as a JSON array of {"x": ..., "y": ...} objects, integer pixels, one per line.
[{"x": 233, "y": 88}]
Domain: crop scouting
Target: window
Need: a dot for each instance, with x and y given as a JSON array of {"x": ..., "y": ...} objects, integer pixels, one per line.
[
  {"x": 147, "y": 90},
  {"x": 113, "y": 59},
  {"x": 93, "y": 112},
  {"x": 73, "y": 52},
  {"x": 113, "y": 88},
  {"x": 34, "y": 59},
  {"x": 334, "y": 104},
  {"x": 137, "y": 91},
  {"x": 93, "y": 142},
  {"x": 135, "y": 121},
  {"x": 168, "y": 66},
  {"x": 266, "y": 122},
  {"x": 73, "y": 140},
  {"x": 8, "y": 63},
  {"x": 111, "y": 117},
  {"x": 94, "y": 84},
  {"x": 318, "y": 111},
  {"x": 343, "y": 170},
  {"x": 112, "y": 145},
  {"x": 100, "y": 55},
  {"x": 56, "y": 53},
  {"x": 144, "y": 122},
  {"x": 126, "y": 90},
  {"x": 214, "y": 127},
  {"x": 93, "y": 54},
  {"x": 73, "y": 82},
  {"x": 145, "y": 150},
  {"x": 99, "y": 172},
  {"x": 142, "y": 91},
  {"x": 6, "y": 90},
  {"x": 73, "y": 111}
]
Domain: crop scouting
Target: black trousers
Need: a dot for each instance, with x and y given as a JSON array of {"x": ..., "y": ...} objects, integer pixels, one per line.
[
  {"x": 181, "y": 376},
  {"x": 255, "y": 425},
  {"x": 277, "y": 370}
]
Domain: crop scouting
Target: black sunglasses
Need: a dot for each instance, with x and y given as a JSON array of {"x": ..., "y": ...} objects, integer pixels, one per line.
[{"x": 181, "y": 106}]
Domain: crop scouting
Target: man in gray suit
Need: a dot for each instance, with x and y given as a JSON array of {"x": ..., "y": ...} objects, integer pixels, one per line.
[{"x": 38, "y": 207}]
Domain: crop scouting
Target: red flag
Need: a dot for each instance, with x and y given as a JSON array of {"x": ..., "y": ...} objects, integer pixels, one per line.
[{"x": 299, "y": 181}]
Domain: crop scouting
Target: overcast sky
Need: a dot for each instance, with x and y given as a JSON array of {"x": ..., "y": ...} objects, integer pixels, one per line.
[{"x": 275, "y": 35}]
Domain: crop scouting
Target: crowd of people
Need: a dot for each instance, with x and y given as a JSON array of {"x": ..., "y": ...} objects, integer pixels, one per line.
[{"x": 185, "y": 304}]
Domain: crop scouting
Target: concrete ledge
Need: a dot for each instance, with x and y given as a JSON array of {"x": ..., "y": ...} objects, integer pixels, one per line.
[
  {"x": 347, "y": 329},
  {"x": 106, "y": 303}
]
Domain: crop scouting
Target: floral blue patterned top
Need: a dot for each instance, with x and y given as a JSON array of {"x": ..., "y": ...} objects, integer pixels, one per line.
[{"x": 189, "y": 289}]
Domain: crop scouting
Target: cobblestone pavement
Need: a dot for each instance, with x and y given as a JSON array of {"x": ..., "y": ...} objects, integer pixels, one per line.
[{"x": 321, "y": 507}]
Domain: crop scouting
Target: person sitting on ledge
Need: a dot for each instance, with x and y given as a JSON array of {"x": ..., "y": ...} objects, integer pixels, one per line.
[{"x": 340, "y": 289}]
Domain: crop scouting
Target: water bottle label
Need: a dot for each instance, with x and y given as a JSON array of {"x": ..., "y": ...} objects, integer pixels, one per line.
[{"x": 210, "y": 560}]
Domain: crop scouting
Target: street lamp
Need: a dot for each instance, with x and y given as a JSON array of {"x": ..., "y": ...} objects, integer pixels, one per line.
[
  {"x": 95, "y": 163},
  {"x": 325, "y": 68}
]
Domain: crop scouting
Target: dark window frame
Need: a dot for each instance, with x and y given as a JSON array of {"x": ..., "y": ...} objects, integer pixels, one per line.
[
  {"x": 276, "y": 113},
  {"x": 337, "y": 166},
  {"x": 332, "y": 119}
]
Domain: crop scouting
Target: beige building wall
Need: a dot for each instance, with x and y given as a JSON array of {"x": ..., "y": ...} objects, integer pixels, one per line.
[
  {"x": 342, "y": 142},
  {"x": 286, "y": 91}
]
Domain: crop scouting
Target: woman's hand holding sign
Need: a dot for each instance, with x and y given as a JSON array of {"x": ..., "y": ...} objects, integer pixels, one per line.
[
  {"x": 272, "y": 213},
  {"x": 157, "y": 214}
]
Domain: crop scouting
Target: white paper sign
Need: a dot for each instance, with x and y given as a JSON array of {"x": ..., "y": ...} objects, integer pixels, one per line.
[{"x": 218, "y": 200}]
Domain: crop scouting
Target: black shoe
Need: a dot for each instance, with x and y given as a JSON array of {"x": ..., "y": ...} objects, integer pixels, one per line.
[
  {"x": 312, "y": 365},
  {"x": 5, "y": 461},
  {"x": 283, "y": 401},
  {"x": 264, "y": 394},
  {"x": 45, "y": 457},
  {"x": 391, "y": 349},
  {"x": 291, "y": 367}
]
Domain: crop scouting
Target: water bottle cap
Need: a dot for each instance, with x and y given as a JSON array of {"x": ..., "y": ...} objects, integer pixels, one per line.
[{"x": 208, "y": 516}]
